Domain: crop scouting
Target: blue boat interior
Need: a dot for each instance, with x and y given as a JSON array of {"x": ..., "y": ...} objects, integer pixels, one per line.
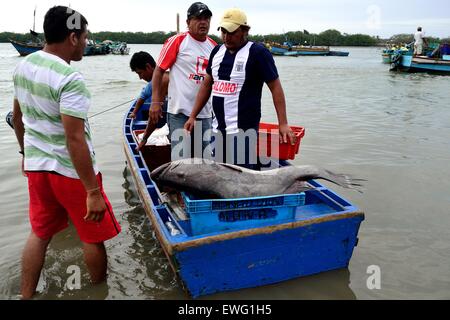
[
  {"x": 286, "y": 236},
  {"x": 319, "y": 202}
]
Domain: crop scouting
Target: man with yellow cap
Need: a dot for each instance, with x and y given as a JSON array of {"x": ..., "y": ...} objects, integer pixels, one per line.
[{"x": 236, "y": 73}]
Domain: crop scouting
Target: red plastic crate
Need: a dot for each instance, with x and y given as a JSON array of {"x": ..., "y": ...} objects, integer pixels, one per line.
[{"x": 270, "y": 132}]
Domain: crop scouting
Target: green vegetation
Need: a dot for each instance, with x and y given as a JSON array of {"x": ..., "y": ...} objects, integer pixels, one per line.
[
  {"x": 5, "y": 36},
  {"x": 327, "y": 38},
  {"x": 408, "y": 38}
]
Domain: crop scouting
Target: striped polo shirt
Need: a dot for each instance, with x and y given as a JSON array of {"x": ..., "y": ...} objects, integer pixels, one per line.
[
  {"x": 238, "y": 81},
  {"x": 47, "y": 87}
]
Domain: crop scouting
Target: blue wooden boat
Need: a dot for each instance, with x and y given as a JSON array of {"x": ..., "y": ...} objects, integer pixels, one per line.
[
  {"x": 277, "y": 49},
  {"x": 339, "y": 53},
  {"x": 390, "y": 51},
  {"x": 25, "y": 49},
  {"x": 311, "y": 50},
  {"x": 410, "y": 63},
  {"x": 287, "y": 49},
  {"x": 319, "y": 236}
]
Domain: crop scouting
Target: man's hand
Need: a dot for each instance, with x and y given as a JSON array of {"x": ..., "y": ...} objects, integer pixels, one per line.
[
  {"x": 96, "y": 206},
  {"x": 155, "y": 113},
  {"x": 23, "y": 167},
  {"x": 133, "y": 115},
  {"x": 286, "y": 134},
  {"x": 189, "y": 125},
  {"x": 141, "y": 145}
]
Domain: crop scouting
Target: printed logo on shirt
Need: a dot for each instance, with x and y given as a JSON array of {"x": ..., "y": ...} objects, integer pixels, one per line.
[
  {"x": 199, "y": 76},
  {"x": 240, "y": 66},
  {"x": 225, "y": 88},
  {"x": 202, "y": 64}
]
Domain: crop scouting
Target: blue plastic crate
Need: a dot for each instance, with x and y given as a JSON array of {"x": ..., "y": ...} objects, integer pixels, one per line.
[
  {"x": 209, "y": 216},
  {"x": 233, "y": 220},
  {"x": 195, "y": 205}
]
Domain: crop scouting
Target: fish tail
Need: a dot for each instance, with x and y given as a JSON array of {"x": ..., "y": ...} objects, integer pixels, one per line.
[{"x": 343, "y": 180}]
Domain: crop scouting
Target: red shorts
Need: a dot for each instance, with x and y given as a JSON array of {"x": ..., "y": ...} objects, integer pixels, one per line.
[{"x": 55, "y": 198}]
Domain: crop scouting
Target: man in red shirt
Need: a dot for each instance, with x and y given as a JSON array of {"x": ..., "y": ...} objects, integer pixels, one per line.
[{"x": 186, "y": 55}]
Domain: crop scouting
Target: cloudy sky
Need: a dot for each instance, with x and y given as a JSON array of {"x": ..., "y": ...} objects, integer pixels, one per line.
[{"x": 375, "y": 17}]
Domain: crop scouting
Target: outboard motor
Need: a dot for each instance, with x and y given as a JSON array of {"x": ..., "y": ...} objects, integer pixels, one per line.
[
  {"x": 395, "y": 61},
  {"x": 9, "y": 119}
]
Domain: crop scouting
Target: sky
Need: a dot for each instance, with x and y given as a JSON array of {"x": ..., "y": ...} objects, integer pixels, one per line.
[{"x": 382, "y": 18}]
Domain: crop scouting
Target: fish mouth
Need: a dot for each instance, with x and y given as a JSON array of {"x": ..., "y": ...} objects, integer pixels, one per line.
[{"x": 158, "y": 172}]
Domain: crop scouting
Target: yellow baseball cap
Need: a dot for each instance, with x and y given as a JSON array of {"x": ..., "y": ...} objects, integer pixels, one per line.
[{"x": 232, "y": 19}]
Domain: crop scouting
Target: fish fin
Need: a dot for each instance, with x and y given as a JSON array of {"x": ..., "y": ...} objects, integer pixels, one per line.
[
  {"x": 298, "y": 187},
  {"x": 343, "y": 180}
]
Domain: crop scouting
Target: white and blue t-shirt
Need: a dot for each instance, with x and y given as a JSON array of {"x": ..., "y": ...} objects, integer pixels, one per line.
[
  {"x": 237, "y": 88},
  {"x": 146, "y": 93}
]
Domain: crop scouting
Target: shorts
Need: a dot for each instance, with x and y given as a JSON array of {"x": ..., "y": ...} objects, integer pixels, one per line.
[
  {"x": 55, "y": 198},
  {"x": 418, "y": 49},
  {"x": 176, "y": 124}
]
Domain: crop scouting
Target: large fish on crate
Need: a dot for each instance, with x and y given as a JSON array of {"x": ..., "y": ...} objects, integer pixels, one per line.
[{"x": 209, "y": 179}]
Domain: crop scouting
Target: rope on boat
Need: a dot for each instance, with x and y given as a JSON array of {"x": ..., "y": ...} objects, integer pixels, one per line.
[
  {"x": 107, "y": 110},
  {"x": 9, "y": 116}
]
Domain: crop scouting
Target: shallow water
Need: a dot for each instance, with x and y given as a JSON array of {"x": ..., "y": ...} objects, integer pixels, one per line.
[{"x": 392, "y": 129}]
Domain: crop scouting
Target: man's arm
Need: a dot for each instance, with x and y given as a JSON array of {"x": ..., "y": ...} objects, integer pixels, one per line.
[
  {"x": 148, "y": 132},
  {"x": 81, "y": 159},
  {"x": 150, "y": 125},
  {"x": 138, "y": 106},
  {"x": 18, "y": 124},
  {"x": 279, "y": 102},
  {"x": 157, "y": 95},
  {"x": 19, "y": 129},
  {"x": 202, "y": 98}
]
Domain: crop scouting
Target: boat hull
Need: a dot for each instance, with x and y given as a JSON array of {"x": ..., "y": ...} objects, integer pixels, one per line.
[
  {"x": 321, "y": 237},
  {"x": 25, "y": 49},
  {"x": 387, "y": 58},
  {"x": 311, "y": 53},
  {"x": 424, "y": 64},
  {"x": 262, "y": 257},
  {"x": 339, "y": 53}
]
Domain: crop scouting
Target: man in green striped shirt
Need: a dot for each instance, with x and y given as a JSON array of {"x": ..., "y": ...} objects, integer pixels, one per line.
[{"x": 50, "y": 120}]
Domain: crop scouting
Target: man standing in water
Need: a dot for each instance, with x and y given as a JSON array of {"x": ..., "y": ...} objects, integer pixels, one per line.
[
  {"x": 186, "y": 55},
  {"x": 50, "y": 121}
]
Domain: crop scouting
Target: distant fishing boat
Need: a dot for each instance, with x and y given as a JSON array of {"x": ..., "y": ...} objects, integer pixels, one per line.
[
  {"x": 277, "y": 49},
  {"x": 94, "y": 48},
  {"x": 390, "y": 51},
  {"x": 287, "y": 49},
  {"x": 25, "y": 49},
  {"x": 119, "y": 48},
  {"x": 437, "y": 61},
  {"x": 310, "y": 50},
  {"x": 339, "y": 53},
  {"x": 424, "y": 64}
]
